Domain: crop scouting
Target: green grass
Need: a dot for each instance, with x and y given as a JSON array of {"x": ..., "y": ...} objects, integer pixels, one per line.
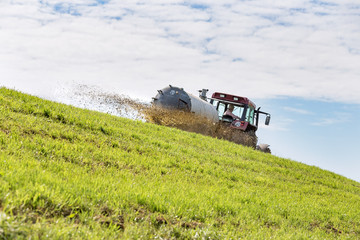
[{"x": 69, "y": 173}]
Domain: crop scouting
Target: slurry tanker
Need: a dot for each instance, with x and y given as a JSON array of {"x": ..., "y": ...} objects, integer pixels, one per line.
[{"x": 234, "y": 112}]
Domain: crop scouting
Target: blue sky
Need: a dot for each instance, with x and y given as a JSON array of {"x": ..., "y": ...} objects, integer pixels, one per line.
[
  {"x": 318, "y": 133},
  {"x": 299, "y": 60}
]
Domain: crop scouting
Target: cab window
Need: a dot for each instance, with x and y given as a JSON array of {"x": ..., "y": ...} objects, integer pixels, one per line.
[
  {"x": 250, "y": 115},
  {"x": 221, "y": 109}
]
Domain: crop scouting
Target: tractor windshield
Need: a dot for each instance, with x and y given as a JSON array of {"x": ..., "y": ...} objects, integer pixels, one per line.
[
  {"x": 223, "y": 106},
  {"x": 239, "y": 111}
]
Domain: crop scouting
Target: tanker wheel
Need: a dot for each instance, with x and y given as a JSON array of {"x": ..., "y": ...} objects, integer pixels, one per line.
[
  {"x": 267, "y": 150},
  {"x": 263, "y": 148}
]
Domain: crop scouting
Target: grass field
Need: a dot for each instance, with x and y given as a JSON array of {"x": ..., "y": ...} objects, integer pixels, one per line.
[{"x": 69, "y": 173}]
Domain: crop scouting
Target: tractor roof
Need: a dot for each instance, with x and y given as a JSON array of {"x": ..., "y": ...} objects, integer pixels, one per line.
[{"x": 233, "y": 99}]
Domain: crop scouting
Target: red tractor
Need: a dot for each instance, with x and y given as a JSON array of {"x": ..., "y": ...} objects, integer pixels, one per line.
[
  {"x": 243, "y": 117},
  {"x": 247, "y": 116}
]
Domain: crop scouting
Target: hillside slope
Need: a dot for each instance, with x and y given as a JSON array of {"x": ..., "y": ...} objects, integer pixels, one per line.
[{"x": 68, "y": 173}]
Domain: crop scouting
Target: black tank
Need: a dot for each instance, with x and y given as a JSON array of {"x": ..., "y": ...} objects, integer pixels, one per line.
[{"x": 173, "y": 98}]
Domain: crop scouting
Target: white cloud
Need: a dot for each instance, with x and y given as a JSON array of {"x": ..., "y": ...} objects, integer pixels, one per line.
[
  {"x": 259, "y": 49},
  {"x": 334, "y": 118},
  {"x": 298, "y": 110},
  {"x": 325, "y": 122}
]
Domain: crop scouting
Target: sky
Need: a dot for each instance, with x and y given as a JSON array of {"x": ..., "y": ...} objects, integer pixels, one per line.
[{"x": 298, "y": 60}]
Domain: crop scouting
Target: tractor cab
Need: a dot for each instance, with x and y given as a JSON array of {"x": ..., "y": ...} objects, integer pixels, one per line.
[{"x": 246, "y": 115}]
